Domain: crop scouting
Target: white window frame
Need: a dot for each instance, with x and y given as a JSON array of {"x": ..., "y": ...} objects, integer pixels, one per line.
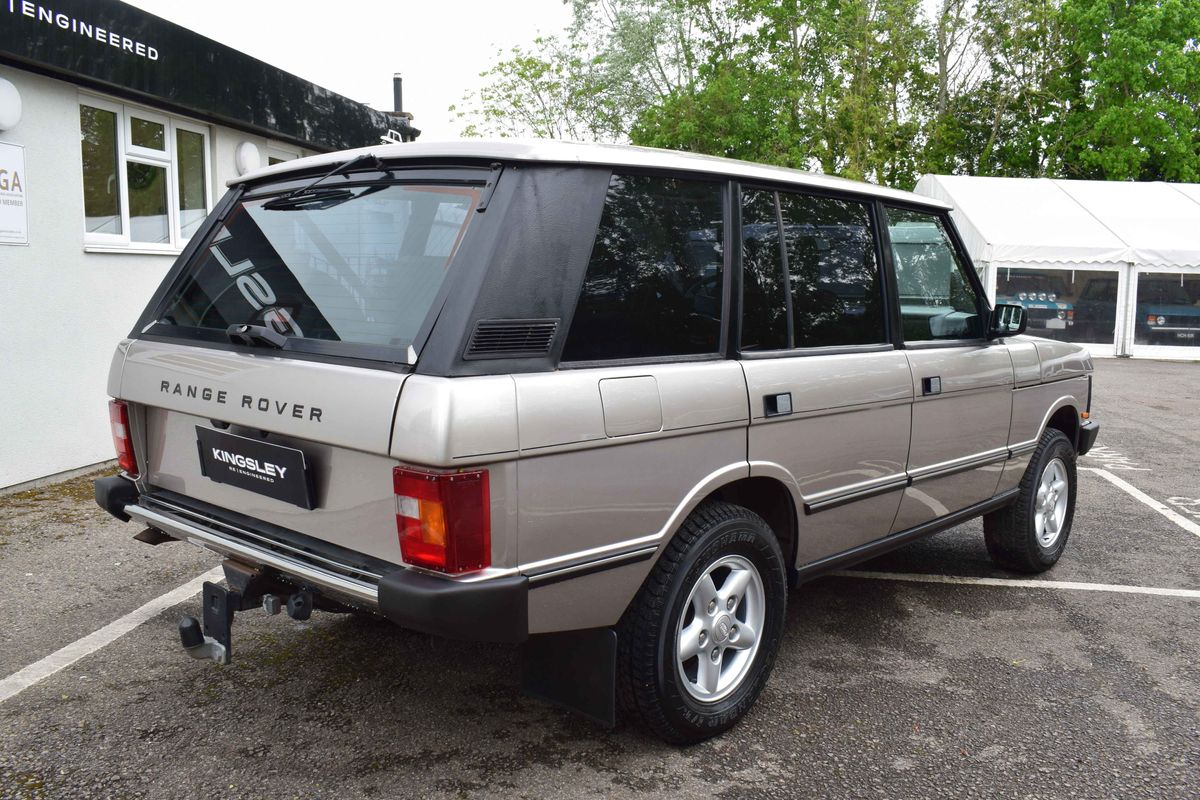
[
  {"x": 147, "y": 153},
  {"x": 280, "y": 152},
  {"x": 191, "y": 127},
  {"x": 166, "y": 159}
]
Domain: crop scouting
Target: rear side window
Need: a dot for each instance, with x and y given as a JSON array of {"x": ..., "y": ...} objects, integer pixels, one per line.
[
  {"x": 654, "y": 282},
  {"x": 764, "y": 289},
  {"x": 833, "y": 273},
  {"x": 822, "y": 287},
  {"x": 360, "y": 265}
]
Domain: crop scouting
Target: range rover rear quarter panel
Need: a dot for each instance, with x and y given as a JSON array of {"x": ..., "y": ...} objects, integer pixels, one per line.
[
  {"x": 584, "y": 399},
  {"x": 610, "y": 459}
]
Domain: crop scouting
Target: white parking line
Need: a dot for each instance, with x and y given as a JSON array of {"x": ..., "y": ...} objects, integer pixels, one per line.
[
  {"x": 1138, "y": 494},
  {"x": 60, "y": 659},
  {"x": 1018, "y": 583}
]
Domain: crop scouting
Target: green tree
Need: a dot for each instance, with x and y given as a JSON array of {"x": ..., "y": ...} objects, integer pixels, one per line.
[
  {"x": 872, "y": 89},
  {"x": 546, "y": 91},
  {"x": 1132, "y": 90},
  {"x": 1001, "y": 123},
  {"x": 813, "y": 83},
  {"x": 617, "y": 58}
]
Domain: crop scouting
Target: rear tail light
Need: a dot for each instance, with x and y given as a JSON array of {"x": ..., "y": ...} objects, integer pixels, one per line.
[
  {"x": 443, "y": 519},
  {"x": 118, "y": 418}
]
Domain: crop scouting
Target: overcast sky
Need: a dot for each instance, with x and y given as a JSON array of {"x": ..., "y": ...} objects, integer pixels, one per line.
[{"x": 352, "y": 47}]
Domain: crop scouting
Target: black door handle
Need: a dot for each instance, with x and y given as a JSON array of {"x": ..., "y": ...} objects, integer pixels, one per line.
[{"x": 775, "y": 405}]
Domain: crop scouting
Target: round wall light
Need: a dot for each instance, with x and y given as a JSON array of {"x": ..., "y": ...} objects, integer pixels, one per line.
[
  {"x": 246, "y": 158},
  {"x": 10, "y": 105}
]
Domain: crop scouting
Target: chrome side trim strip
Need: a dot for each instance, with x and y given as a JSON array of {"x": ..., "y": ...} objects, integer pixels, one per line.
[
  {"x": 1021, "y": 448},
  {"x": 959, "y": 464},
  {"x": 211, "y": 540},
  {"x": 589, "y": 567},
  {"x": 583, "y": 558},
  {"x": 841, "y": 497}
]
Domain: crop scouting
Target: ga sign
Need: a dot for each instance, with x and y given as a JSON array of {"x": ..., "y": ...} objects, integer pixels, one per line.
[{"x": 14, "y": 219}]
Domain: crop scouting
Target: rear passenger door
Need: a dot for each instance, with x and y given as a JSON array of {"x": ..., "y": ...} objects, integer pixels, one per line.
[
  {"x": 962, "y": 382},
  {"x": 830, "y": 396}
]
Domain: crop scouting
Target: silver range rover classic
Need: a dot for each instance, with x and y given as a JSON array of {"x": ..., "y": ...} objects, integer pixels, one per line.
[{"x": 608, "y": 403}]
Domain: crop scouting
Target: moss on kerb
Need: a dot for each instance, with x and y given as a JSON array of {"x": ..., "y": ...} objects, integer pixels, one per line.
[
  {"x": 75, "y": 489},
  {"x": 65, "y": 503}
]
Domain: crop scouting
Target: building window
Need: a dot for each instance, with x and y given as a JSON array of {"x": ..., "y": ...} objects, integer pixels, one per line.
[
  {"x": 278, "y": 155},
  {"x": 145, "y": 177}
]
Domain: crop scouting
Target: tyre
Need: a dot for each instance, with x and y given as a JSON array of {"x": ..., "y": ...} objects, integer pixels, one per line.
[
  {"x": 696, "y": 645},
  {"x": 1030, "y": 535}
]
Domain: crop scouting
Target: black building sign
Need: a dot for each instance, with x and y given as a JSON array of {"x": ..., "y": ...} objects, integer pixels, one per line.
[{"x": 122, "y": 50}]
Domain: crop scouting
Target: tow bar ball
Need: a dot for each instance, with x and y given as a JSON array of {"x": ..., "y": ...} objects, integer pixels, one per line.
[{"x": 211, "y": 640}]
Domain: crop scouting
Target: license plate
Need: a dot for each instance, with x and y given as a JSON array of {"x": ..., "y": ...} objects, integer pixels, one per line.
[
  {"x": 1056, "y": 324},
  {"x": 1185, "y": 334},
  {"x": 256, "y": 466}
]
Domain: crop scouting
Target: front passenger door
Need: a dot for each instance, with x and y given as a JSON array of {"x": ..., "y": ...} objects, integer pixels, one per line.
[{"x": 962, "y": 382}]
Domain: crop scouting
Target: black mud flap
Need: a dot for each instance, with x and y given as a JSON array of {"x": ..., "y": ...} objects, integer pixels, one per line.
[{"x": 574, "y": 669}]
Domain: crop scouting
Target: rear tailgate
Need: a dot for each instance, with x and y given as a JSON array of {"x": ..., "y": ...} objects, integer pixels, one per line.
[{"x": 340, "y": 418}]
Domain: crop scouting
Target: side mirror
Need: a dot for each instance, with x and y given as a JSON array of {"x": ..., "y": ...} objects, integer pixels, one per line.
[{"x": 1007, "y": 320}]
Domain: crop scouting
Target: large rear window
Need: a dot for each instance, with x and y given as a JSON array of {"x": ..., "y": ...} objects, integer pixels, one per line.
[{"x": 358, "y": 265}]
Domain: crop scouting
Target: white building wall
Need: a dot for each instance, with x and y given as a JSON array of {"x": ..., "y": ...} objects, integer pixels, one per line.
[{"x": 62, "y": 310}]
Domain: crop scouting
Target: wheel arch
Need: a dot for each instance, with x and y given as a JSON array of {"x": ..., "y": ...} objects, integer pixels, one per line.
[
  {"x": 1063, "y": 415},
  {"x": 771, "y": 499},
  {"x": 769, "y": 496}
]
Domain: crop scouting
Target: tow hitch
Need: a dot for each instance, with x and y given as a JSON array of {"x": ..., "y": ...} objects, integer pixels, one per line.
[{"x": 249, "y": 588}]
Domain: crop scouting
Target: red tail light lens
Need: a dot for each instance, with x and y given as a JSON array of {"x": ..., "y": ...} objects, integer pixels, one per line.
[
  {"x": 444, "y": 519},
  {"x": 118, "y": 418}
]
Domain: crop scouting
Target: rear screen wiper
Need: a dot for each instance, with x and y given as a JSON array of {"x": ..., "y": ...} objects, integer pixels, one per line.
[
  {"x": 282, "y": 201},
  {"x": 312, "y": 199}
]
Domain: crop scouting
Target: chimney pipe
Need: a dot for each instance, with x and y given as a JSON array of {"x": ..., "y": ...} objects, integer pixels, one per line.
[{"x": 397, "y": 93}]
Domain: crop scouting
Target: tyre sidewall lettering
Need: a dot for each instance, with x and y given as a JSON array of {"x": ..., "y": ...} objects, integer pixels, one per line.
[{"x": 730, "y": 539}]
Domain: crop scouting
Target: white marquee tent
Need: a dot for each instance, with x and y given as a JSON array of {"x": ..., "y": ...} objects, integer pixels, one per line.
[{"x": 1077, "y": 237}]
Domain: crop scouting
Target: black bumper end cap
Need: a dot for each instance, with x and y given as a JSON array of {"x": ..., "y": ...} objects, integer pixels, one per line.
[
  {"x": 114, "y": 493},
  {"x": 1088, "y": 431},
  {"x": 494, "y": 610}
]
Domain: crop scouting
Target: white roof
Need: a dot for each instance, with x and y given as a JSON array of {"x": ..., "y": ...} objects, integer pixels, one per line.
[
  {"x": 1015, "y": 221},
  {"x": 553, "y": 151}
]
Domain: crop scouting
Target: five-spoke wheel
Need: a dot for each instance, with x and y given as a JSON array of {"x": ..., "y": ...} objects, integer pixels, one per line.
[
  {"x": 698, "y": 642},
  {"x": 1030, "y": 534},
  {"x": 1051, "y": 502},
  {"x": 718, "y": 630}
]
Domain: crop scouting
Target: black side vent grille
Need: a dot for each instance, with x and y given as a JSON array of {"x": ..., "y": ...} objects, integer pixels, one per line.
[{"x": 511, "y": 338}]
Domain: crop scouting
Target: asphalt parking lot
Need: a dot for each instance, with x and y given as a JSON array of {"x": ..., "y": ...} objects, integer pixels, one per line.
[{"x": 887, "y": 685}]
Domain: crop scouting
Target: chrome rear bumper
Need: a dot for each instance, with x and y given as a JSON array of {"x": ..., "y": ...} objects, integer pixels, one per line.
[{"x": 365, "y": 591}]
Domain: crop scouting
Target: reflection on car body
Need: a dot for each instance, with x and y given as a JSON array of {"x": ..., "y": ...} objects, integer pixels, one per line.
[{"x": 1043, "y": 298}]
